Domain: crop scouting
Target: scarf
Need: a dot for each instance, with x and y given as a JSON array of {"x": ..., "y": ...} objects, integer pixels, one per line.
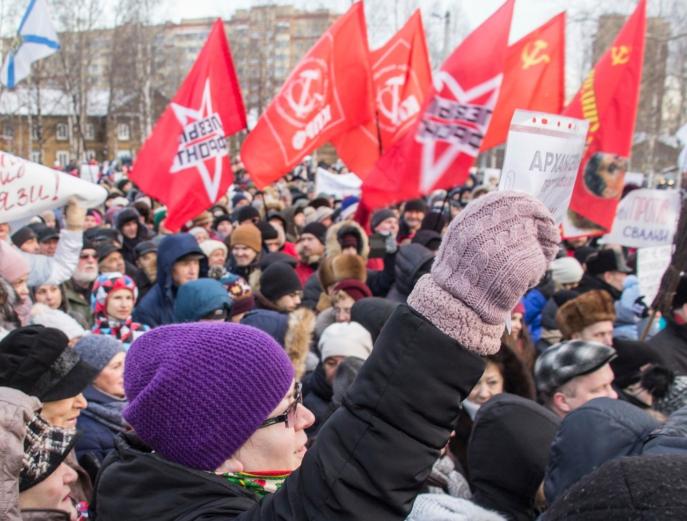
[
  {"x": 261, "y": 483},
  {"x": 122, "y": 330}
]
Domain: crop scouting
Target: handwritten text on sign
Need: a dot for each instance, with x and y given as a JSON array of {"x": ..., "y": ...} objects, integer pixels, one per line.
[
  {"x": 645, "y": 218},
  {"x": 543, "y": 154},
  {"x": 27, "y": 189}
]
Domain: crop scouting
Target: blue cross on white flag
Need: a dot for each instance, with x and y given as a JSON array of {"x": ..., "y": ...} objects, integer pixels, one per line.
[{"x": 37, "y": 39}]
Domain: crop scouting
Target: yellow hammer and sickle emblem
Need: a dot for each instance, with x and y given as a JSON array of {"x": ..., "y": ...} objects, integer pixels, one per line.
[
  {"x": 532, "y": 54},
  {"x": 620, "y": 55}
]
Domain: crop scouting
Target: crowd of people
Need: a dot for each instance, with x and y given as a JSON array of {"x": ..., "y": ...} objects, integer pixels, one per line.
[{"x": 450, "y": 358}]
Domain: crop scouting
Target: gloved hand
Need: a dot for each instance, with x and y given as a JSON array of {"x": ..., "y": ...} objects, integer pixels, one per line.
[
  {"x": 75, "y": 216},
  {"x": 493, "y": 252}
]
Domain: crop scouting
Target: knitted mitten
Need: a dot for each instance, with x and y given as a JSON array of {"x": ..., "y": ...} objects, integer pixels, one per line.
[{"x": 493, "y": 252}]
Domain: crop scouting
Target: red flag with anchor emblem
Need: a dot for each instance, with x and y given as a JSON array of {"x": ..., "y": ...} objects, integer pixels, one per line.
[
  {"x": 402, "y": 78},
  {"x": 329, "y": 92},
  {"x": 608, "y": 100},
  {"x": 438, "y": 151},
  {"x": 533, "y": 78},
  {"x": 185, "y": 161}
]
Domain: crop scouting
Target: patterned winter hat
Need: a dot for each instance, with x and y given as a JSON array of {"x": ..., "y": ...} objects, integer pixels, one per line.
[
  {"x": 562, "y": 362},
  {"x": 106, "y": 284},
  {"x": 198, "y": 391},
  {"x": 45, "y": 447}
]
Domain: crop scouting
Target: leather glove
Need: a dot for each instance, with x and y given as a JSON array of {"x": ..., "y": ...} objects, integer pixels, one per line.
[{"x": 493, "y": 252}]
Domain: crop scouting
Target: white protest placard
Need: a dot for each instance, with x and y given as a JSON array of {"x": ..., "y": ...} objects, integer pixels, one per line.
[
  {"x": 651, "y": 265},
  {"x": 645, "y": 218},
  {"x": 27, "y": 189},
  {"x": 338, "y": 185},
  {"x": 543, "y": 155}
]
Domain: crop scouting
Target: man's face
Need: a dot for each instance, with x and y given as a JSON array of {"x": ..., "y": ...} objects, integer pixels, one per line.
[
  {"x": 130, "y": 229},
  {"x": 114, "y": 262},
  {"x": 225, "y": 228},
  {"x": 330, "y": 366},
  {"x": 185, "y": 270},
  {"x": 48, "y": 247},
  {"x": 89, "y": 222},
  {"x": 272, "y": 245},
  {"x": 601, "y": 332},
  {"x": 615, "y": 279},
  {"x": 413, "y": 219},
  {"x": 87, "y": 268},
  {"x": 388, "y": 226},
  {"x": 310, "y": 246},
  {"x": 581, "y": 389},
  {"x": 289, "y": 302},
  {"x": 243, "y": 255},
  {"x": 148, "y": 263},
  {"x": 342, "y": 308}
]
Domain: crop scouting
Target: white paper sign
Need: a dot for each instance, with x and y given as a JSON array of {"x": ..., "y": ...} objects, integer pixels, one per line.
[
  {"x": 543, "y": 155},
  {"x": 27, "y": 189},
  {"x": 645, "y": 218},
  {"x": 338, "y": 185},
  {"x": 651, "y": 265}
]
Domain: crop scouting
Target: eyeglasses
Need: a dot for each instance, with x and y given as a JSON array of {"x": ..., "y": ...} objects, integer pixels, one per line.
[
  {"x": 85, "y": 256},
  {"x": 289, "y": 415}
]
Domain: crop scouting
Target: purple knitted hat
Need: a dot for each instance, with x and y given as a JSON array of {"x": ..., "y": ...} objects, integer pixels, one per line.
[{"x": 198, "y": 391}]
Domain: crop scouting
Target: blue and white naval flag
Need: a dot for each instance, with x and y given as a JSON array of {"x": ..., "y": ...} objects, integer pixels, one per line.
[{"x": 36, "y": 39}]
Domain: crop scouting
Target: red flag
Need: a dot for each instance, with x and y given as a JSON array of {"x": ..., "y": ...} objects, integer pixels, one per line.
[
  {"x": 185, "y": 161},
  {"x": 442, "y": 145},
  {"x": 329, "y": 92},
  {"x": 533, "y": 78},
  {"x": 608, "y": 100},
  {"x": 402, "y": 78}
]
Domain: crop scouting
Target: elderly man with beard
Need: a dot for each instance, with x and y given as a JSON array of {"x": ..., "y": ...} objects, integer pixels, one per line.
[{"x": 78, "y": 288}]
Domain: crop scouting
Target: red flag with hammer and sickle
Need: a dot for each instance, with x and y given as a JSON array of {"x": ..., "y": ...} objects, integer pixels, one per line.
[
  {"x": 185, "y": 161},
  {"x": 608, "y": 99},
  {"x": 533, "y": 78},
  {"x": 438, "y": 151},
  {"x": 402, "y": 78},
  {"x": 329, "y": 92}
]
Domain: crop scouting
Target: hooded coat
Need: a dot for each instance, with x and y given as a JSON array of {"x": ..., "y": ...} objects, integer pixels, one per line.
[
  {"x": 157, "y": 307},
  {"x": 507, "y": 454},
  {"x": 601, "y": 430},
  {"x": 403, "y": 402},
  {"x": 412, "y": 261},
  {"x": 142, "y": 233}
]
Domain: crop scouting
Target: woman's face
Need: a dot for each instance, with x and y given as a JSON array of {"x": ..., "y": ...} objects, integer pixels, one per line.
[
  {"x": 21, "y": 287},
  {"x": 278, "y": 447},
  {"x": 217, "y": 258},
  {"x": 488, "y": 386},
  {"x": 50, "y": 295},
  {"x": 225, "y": 228},
  {"x": 111, "y": 379},
  {"x": 63, "y": 413},
  {"x": 516, "y": 325},
  {"x": 51, "y": 493},
  {"x": 120, "y": 303}
]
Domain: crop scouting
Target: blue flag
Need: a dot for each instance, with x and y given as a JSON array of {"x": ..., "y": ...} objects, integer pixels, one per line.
[{"x": 36, "y": 39}]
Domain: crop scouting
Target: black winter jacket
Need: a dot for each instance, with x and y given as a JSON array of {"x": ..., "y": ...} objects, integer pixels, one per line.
[
  {"x": 671, "y": 345},
  {"x": 370, "y": 460}
]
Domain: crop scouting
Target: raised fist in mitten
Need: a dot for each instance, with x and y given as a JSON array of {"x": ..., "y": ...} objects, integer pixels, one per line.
[{"x": 493, "y": 252}]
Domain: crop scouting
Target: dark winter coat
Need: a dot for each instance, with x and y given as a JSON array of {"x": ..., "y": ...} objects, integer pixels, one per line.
[
  {"x": 671, "y": 437},
  {"x": 601, "y": 430},
  {"x": 99, "y": 423},
  {"x": 157, "y": 307},
  {"x": 637, "y": 488},
  {"x": 317, "y": 396},
  {"x": 400, "y": 409},
  {"x": 592, "y": 282},
  {"x": 412, "y": 261},
  {"x": 507, "y": 454},
  {"x": 142, "y": 233},
  {"x": 671, "y": 344}
]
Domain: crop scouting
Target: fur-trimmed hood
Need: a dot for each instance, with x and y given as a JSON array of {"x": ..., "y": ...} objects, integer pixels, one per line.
[
  {"x": 293, "y": 331},
  {"x": 334, "y": 233}
]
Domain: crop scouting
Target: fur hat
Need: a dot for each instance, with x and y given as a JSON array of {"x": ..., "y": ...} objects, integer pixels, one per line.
[
  {"x": 349, "y": 267},
  {"x": 583, "y": 311}
]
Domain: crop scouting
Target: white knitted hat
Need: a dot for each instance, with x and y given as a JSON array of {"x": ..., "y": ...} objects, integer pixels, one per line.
[{"x": 345, "y": 339}]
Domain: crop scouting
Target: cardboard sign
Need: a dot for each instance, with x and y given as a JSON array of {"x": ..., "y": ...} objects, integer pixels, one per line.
[
  {"x": 27, "y": 189},
  {"x": 651, "y": 265},
  {"x": 338, "y": 185},
  {"x": 543, "y": 155},
  {"x": 645, "y": 218}
]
